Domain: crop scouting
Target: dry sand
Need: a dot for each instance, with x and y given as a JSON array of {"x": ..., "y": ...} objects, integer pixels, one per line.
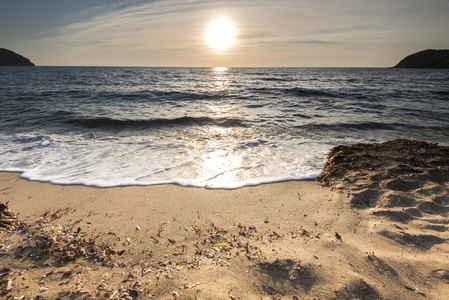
[{"x": 375, "y": 227}]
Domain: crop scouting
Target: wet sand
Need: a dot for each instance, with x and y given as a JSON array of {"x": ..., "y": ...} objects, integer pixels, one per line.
[{"x": 374, "y": 226}]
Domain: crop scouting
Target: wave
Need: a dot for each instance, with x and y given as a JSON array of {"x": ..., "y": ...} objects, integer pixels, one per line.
[
  {"x": 302, "y": 116},
  {"x": 362, "y": 126},
  {"x": 157, "y": 95},
  {"x": 443, "y": 94},
  {"x": 309, "y": 92},
  {"x": 274, "y": 79},
  {"x": 300, "y": 92},
  {"x": 183, "y": 121},
  {"x": 256, "y": 105}
]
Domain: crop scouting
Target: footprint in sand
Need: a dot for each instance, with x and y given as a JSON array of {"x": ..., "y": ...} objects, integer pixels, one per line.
[{"x": 441, "y": 274}]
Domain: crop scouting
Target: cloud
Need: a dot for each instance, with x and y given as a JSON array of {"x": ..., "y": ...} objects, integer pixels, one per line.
[{"x": 149, "y": 25}]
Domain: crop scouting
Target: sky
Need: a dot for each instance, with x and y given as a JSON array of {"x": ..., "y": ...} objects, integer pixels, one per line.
[{"x": 268, "y": 33}]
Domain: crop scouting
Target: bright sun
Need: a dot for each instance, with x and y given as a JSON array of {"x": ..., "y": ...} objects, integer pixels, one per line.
[{"x": 220, "y": 34}]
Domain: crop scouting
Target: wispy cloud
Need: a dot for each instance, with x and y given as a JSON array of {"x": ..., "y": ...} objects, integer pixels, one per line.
[{"x": 148, "y": 25}]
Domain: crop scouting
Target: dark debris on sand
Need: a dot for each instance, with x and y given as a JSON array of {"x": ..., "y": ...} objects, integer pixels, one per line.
[
  {"x": 65, "y": 253},
  {"x": 8, "y": 219},
  {"x": 45, "y": 244},
  {"x": 62, "y": 243}
]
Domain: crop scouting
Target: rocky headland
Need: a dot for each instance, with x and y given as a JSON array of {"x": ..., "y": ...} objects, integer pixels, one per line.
[
  {"x": 426, "y": 59},
  {"x": 10, "y": 58}
]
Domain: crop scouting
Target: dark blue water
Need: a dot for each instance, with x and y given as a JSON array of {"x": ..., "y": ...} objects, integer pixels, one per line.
[{"x": 204, "y": 126}]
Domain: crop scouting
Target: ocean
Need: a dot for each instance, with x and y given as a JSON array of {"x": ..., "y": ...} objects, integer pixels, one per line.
[{"x": 206, "y": 127}]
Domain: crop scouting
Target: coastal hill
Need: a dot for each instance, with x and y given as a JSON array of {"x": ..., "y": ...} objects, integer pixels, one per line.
[
  {"x": 426, "y": 59},
  {"x": 10, "y": 58}
]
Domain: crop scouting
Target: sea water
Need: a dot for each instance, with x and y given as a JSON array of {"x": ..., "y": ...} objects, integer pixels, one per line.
[{"x": 206, "y": 127}]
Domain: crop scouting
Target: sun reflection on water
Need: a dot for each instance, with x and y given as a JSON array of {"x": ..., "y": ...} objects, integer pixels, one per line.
[
  {"x": 221, "y": 162},
  {"x": 220, "y": 69},
  {"x": 220, "y": 80},
  {"x": 220, "y": 111}
]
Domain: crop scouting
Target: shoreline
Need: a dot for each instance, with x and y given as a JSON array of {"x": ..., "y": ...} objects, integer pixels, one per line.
[
  {"x": 374, "y": 228},
  {"x": 49, "y": 193},
  {"x": 305, "y": 178}
]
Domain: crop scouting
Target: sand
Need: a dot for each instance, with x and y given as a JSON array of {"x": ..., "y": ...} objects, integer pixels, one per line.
[{"x": 374, "y": 226}]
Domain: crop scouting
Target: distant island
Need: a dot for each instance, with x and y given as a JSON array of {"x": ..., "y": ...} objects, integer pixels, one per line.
[
  {"x": 426, "y": 59},
  {"x": 10, "y": 58}
]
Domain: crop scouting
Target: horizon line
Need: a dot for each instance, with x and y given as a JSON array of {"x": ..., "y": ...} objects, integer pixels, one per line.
[{"x": 231, "y": 67}]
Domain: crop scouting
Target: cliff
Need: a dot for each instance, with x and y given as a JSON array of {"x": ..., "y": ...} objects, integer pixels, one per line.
[
  {"x": 426, "y": 59},
  {"x": 10, "y": 58}
]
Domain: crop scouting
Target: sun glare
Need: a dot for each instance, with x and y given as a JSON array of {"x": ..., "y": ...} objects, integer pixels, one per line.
[{"x": 220, "y": 34}]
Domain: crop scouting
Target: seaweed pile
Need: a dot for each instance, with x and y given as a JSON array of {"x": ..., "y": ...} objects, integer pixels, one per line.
[
  {"x": 46, "y": 243},
  {"x": 8, "y": 219},
  {"x": 62, "y": 243},
  {"x": 5, "y": 281}
]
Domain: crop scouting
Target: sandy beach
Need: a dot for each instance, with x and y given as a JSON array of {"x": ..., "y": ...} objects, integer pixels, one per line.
[{"x": 373, "y": 226}]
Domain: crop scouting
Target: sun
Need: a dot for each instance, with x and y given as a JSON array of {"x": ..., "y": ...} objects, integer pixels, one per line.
[{"x": 220, "y": 34}]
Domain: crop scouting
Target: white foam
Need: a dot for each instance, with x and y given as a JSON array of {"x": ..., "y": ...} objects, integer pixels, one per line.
[{"x": 203, "y": 160}]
